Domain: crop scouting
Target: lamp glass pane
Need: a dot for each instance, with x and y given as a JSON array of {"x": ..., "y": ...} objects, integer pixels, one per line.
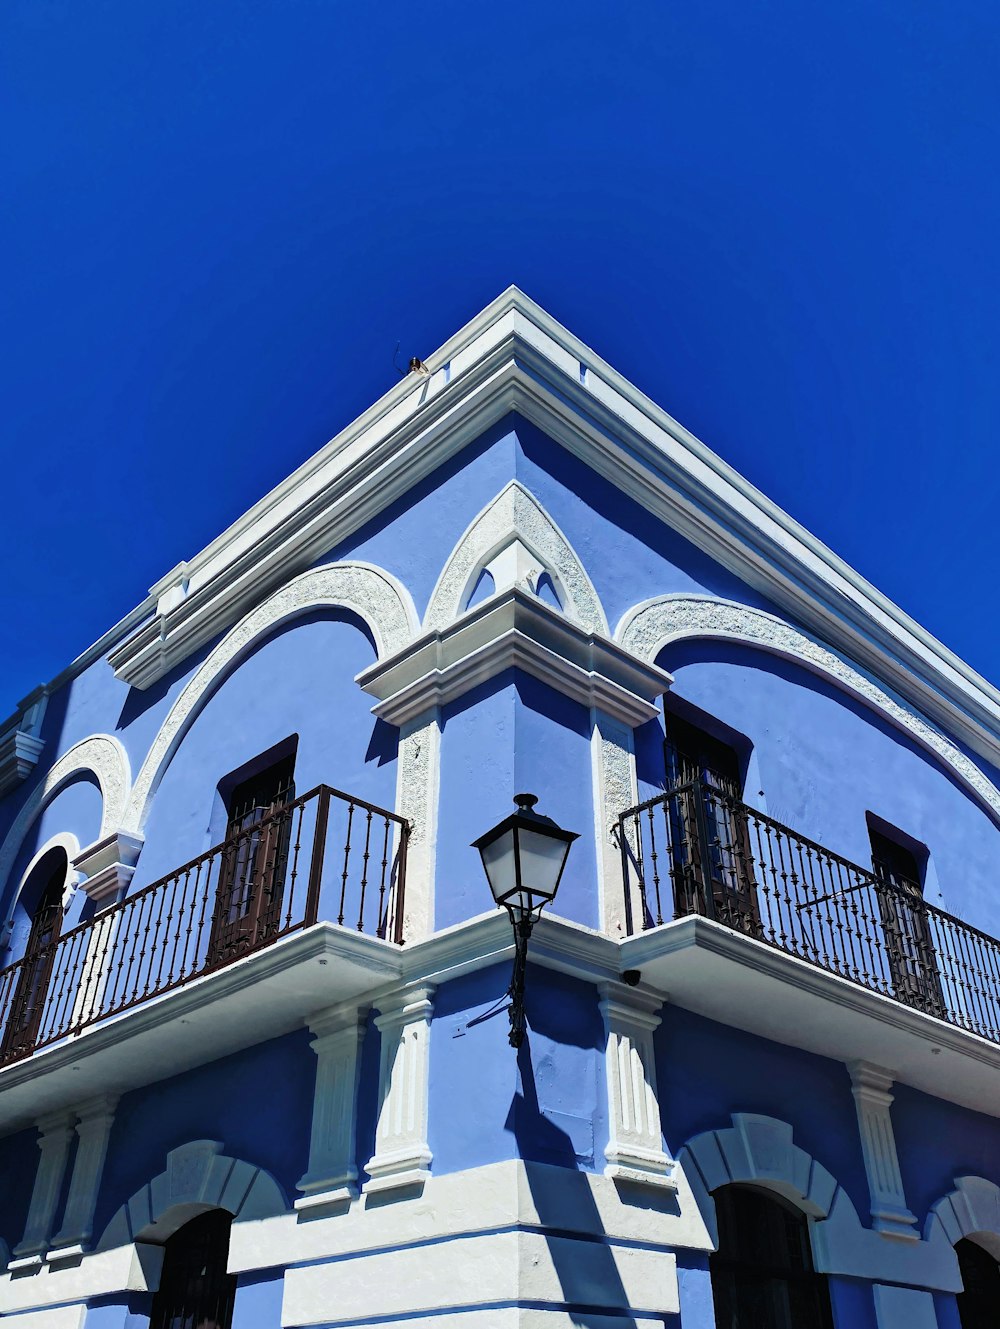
[
  {"x": 498, "y": 862},
  {"x": 542, "y": 858}
]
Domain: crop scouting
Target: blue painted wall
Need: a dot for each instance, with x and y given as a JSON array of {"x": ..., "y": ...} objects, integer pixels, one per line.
[
  {"x": 257, "y": 1102},
  {"x": 937, "y": 1142},
  {"x": 822, "y": 760},
  {"x": 705, "y": 1071},
  {"x": 298, "y": 682},
  {"x": 18, "y": 1162},
  {"x": 258, "y": 1301},
  {"x": 544, "y": 1103},
  {"x": 510, "y": 735}
]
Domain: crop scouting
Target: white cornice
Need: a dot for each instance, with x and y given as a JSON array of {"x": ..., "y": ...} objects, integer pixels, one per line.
[
  {"x": 514, "y": 629},
  {"x": 513, "y": 356}
]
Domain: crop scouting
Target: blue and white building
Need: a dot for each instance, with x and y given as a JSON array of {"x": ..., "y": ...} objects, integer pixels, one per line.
[{"x": 254, "y": 1058}]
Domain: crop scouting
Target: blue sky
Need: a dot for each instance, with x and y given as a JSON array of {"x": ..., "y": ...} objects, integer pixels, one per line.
[{"x": 777, "y": 217}]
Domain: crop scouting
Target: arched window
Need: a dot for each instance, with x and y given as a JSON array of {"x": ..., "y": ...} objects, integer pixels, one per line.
[
  {"x": 762, "y": 1273},
  {"x": 195, "y": 1291},
  {"x": 31, "y": 978},
  {"x": 979, "y": 1301}
]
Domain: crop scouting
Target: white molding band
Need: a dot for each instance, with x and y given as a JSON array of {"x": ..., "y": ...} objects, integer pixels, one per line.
[
  {"x": 870, "y": 1086},
  {"x": 332, "y": 1173},
  {"x": 513, "y": 357},
  {"x": 634, "y": 1151},
  {"x": 514, "y": 629},
  {"x": 196, "y": 1174},
  {"x": 646, "y": 629},
  {"x": 101, "y": 756},
  {"x": 371, "y": 593},
  {"x": 93, "y": 1131},
  {"x": 55, "y": 1134},
  {"x": 506, "y": 537},
  {"x": 402, "y": 1155}
]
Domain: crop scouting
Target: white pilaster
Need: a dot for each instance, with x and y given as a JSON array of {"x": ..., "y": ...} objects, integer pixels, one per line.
[
  {"x": 870, "y": 1086},
  {"x": 612, "y": 753},
  {"x": 402, "y": 1156},
  {"x": 93, "y": 1132},
  {"x": 55, "y": 1133},
  {"x": 635, "y": 1145},
  {"x": 332, "y": 1173}
]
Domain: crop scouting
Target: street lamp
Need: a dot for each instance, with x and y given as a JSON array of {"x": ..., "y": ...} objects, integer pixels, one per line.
[{"x": 523, "y": 858}]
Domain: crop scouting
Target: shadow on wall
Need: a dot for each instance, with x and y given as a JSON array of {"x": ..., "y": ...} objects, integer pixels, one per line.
[{"x": 563, "y": 1201}]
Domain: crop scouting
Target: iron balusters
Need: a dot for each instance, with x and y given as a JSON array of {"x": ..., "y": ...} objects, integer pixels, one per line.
[
  {"x": 698, "y": 850},
  {"x": 262, "y": 883}
]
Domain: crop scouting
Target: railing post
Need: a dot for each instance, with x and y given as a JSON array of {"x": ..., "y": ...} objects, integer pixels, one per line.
[
  {"x": 319, "y": 849},
  {"x": 704, "y": 851},
  {"x": 404, "y": 841},
  {"x": 623, "y": 850}
]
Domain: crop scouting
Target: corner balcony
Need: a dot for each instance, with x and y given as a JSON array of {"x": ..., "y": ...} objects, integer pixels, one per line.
[
  {"x": 234, "y": 927},
  {"x": 742, "y": 919}
]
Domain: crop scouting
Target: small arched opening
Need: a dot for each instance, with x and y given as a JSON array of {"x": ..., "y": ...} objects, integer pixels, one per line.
[
  {"x": 979, "y": 1300},
  {"x": 26, "y": 986},
  {"x": 196, "y": 1291},
  {"x": 762, "y": 1271}
]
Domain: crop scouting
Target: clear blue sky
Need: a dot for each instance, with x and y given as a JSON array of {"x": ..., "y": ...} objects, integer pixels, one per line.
[{"x": 778, "y": 217}]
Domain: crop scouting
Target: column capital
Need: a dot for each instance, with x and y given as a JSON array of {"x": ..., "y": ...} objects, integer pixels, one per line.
[
  {"x": 640, "y": 1006},
  {"x": 405, "y": 1005}
]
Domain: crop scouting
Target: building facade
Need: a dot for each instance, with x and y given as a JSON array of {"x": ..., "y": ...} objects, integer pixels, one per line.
[{"x": 254, "y": 1057}]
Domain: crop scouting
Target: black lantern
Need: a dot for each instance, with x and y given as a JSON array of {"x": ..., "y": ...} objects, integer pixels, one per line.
[{"x": 523, "y": 858}]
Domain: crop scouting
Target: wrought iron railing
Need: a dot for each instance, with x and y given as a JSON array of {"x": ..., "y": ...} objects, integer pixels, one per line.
[
  {"x": 324, "y": 855},
  {"x": 697, "y": 850}
]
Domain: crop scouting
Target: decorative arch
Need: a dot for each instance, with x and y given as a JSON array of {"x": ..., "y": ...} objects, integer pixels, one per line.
[
  {"x": 197, "y": 1177},
  {"x": 102, "y": 756},
  {"x": 649, "y": 627},
  {"x": 759, "y": 1151},
  {"x": 972, "y": 1209},
  {"x": 516, "y": 521},
  {"x": 373, "y": 594},
  {"x": 64, "y": 840}
]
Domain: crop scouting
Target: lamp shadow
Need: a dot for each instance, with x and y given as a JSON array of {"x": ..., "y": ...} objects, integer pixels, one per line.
[{"x": 566, "y": 1212}]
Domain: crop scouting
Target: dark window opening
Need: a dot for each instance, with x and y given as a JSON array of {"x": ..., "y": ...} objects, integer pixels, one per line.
[
  {"x": 906, "y": 923},
  {"x": 762, "y": 1273},
  {"x": 711, "y": 858},
  {"x": 195, "y": 1290},
  {"x": 28, "y": 1002},
  {"x": 979, "y": 1300},
  {"x": 254, "y": 863}
]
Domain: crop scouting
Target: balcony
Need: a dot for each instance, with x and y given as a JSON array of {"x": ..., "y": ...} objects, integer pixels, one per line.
[
  {"x": 324, "y": 856},
  {"x": 695, "y": 850}
]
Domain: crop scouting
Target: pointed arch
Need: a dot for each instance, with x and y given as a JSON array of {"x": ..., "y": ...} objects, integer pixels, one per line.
[
  {"x": 515, "y": 517},
  {"x": 198, "y": 1176},
  {"x": 646, "y": 629},
  {"x": 373, "y": 594},
  {"x": 972, "y": 1209},
  {"x": 101, "y": 756}
]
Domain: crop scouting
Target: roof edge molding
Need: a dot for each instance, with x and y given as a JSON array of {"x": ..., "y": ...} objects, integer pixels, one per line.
[
  {"x": 515, "y": 357},
  {"x": 645, "y": 630}
]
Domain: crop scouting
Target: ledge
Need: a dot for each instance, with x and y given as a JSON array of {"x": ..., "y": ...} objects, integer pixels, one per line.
[
  {"x": 738, "y": 981},
  {"x": 514, "y": 630}
]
